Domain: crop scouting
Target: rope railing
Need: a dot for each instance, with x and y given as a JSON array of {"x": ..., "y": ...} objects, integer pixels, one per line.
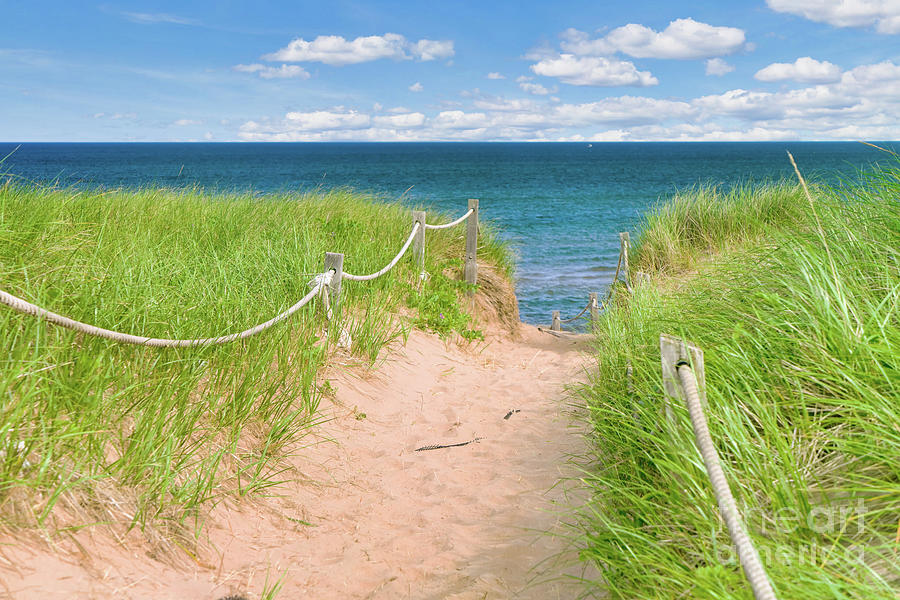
[
  {"x": 682, "y": 366},
  {"x": 28, "y": 308},
  {"x": 593, "y": 305},
  {"x": 451, "y": 223},
  {"x": 388, "y": 266},
  {"x": 327, "y": 283},
  {"x": 746, "y": 551},
  {"x": 578, "y": 316}
]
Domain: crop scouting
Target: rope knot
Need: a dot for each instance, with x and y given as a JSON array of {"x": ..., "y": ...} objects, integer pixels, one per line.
[{"x": 322, "y": 279}]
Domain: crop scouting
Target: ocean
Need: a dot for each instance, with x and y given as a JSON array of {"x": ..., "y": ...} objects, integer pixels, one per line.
[{"x": 561, "y": 205}]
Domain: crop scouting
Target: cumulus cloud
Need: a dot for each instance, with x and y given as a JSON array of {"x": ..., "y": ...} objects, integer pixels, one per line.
[
  {"x": 186, "y": 122},
  {"x": 593, "y": 70},
  {"x": 624, "y": 110},
  {"x": 804, "y": 70},
  {"x": 416, "y": 87},
  {"x": 457, "y": 119},
  {"x": 401, "y": 121},
  {"x": 432, "y": 49},
  {"x": 322, "y": 119},
  {"x": 682, "y": 39},
  {"x": 718, "y": 67},
  {"x": 504, "y": 105},
  {"x": 282, "y": 72},
  {"x": 883, "y": 14},
  {"x": 337, "y": 51},
  {"x": 862, "y": 104},
  {"x": 536, "y": 89},
  {"x": 495, "y": 75}
]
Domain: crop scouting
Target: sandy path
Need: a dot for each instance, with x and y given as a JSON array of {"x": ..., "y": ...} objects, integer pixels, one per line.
[{"x": 369, "y": 517}]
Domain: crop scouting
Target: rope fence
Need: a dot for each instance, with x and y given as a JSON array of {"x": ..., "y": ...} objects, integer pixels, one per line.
[
  {"x": 451, "y": 223},
  {"x": 326, "y": 284},
  {"x": 593, "y": 305},
  {"x": 684, "y": 378},
  {"x": 391, "y": 264}
]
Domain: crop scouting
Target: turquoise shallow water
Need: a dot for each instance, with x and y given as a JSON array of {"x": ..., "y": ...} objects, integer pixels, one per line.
[{"x": 560, "y": 204}]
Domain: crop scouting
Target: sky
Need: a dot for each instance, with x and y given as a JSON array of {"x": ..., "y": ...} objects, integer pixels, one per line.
[{"x": 497, "y": 70}]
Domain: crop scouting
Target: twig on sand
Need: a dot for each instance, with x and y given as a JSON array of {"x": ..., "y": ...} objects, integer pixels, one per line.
[{"x": 439, "y": 446}]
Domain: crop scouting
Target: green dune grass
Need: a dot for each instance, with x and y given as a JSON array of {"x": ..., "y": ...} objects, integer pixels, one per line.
[
  {"x": 800, "y": 328},
  {"x": 94, "y": 431}
]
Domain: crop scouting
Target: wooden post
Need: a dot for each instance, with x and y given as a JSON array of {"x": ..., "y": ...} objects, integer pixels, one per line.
[
  {"x": 334, "y": 261},
  {"x": 556, "y": 326},
  {"x": 595, "y": 309},
  {"x": 624, "y": 241},
  {"x": 471, "y": 268},
  {"x": 674, "y": 352},
  {"x": 418, "y": 246}
]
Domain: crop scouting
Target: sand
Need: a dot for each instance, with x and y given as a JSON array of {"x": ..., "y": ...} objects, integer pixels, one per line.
[{"x": 363, "y": 514}]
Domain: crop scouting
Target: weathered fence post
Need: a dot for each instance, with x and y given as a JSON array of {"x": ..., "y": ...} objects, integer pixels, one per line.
[
  {"x": 557, "y": 324},
  {"x": 595, "y": 308},
  {"x": 418, "y": 247},
  {"x": 674, "y": 352},
  {"x": 334, "y": 261},
  {"x": 624, "y": 242},
  {"x": 471, "y": 269}
]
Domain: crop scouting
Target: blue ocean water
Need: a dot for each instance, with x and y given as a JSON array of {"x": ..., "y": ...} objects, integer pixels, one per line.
[{"x": 561, "y": 205}]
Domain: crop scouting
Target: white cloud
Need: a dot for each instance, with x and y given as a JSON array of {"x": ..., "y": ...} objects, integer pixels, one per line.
[
  {"x": 416, "y": 87},
  {"x": 596, "y": 71},
  {"x": 682, "y": 39},
  {"x": 880, "y": 78},
  {"x": 624, "y": 110},
  {"x": 883, "y": 14},
  {"x": 282, "y": 72},
  {"x": 863, "y": 104},
  {"x": 495, "y": 75},
  {"x": 503, "y": 105},
  {"x": 457, "y": 119},
  {"x": 323, "y": 119},
  {"x": 336, "y": 50},
  {"x": 536, "y": 89},
  {"x": 432, "y": 49},
  {"x": 718, "y": 67},
  {"x": 804, "y": 70},
  {"x": 404, "y": 121},
  {"x": 186, "y": 122}
]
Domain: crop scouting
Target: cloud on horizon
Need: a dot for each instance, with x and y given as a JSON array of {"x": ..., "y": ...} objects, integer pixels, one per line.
[{"x": 337, "y": 51}]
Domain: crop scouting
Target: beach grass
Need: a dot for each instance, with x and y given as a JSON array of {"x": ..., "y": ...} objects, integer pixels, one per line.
[
  {"x": 92, "y": 431},
  {"x": 800, "y": 329}
]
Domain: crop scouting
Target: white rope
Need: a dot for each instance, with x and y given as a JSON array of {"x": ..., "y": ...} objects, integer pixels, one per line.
[
  {"x": 387, "y": 267},
  {"x": 452, "y": 223},
  {"x": 753, "y": 568},
  {"x": 321, "y": 283},
  {"x": 126, "y": 338}
]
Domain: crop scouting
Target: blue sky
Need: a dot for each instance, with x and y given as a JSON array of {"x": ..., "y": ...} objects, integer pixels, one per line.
[{"x": 385, "y": 71}]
